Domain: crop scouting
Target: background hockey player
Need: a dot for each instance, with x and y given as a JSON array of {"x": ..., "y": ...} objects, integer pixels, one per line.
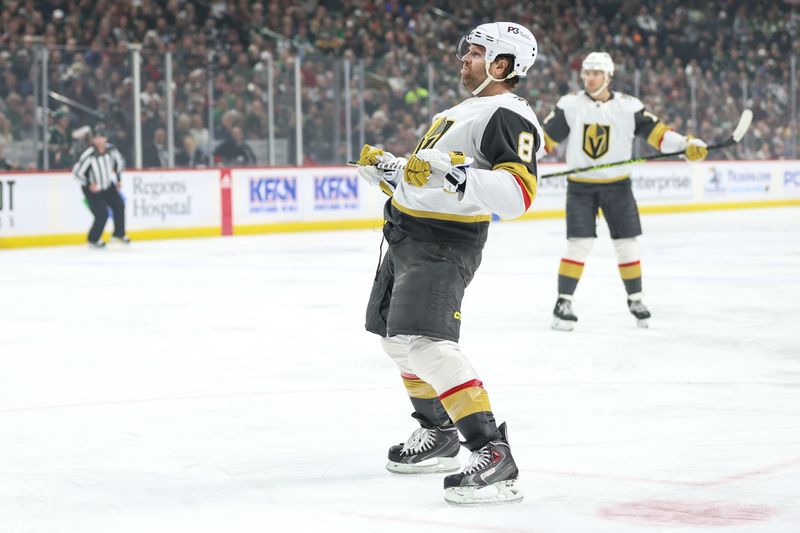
[
  {"x": 436, "y": 225},
  {"x": 599, "y": 126}
]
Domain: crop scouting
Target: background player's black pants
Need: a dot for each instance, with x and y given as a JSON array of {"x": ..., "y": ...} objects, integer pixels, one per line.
[
  {"x": 99, "y": 202},
  {"x": 618, "y": 204}
]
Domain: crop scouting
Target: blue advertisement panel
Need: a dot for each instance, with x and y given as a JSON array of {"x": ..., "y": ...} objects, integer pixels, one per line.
[{"x": 268, "y": 196}]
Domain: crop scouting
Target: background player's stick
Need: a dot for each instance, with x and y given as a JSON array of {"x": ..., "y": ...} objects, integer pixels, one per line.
[{"x": 738, "y": 133}]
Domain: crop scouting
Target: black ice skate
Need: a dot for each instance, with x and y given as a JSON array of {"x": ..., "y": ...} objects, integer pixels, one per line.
[
  {"x": 490, "y": 476},
  {"x": 429, "y": 449},
  {"x": 564, "y": 318},
  {"x": 639, "y": 310}
]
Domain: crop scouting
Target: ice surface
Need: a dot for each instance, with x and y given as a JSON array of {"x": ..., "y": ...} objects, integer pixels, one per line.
[{"x": 228, "y": 385}]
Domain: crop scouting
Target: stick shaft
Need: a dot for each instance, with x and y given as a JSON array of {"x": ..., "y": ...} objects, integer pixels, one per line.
[
  {"x": 738, "y": 133},
  {"x": 717, "y": 146}
]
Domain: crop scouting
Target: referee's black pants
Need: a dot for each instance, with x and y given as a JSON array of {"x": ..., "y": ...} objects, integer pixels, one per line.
[{"x": 99, "y": 202}]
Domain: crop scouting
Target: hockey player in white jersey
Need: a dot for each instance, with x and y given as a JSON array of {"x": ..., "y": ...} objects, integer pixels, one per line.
[
  {"x": 436, "y": 224},
  {"x": 599, "y": 126}
]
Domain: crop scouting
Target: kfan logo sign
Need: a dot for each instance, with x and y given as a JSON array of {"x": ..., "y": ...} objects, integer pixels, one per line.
[
  {"x": 335, "y": 192},
  {"x": 273, "y": 194}
]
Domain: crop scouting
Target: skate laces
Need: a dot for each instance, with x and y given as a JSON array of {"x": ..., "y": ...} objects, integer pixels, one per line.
[
  {"x": 565, "y": 307},
  {"x": 637, "y": 305},
  {"x": 479, "y": 460},
  {"x": 421, "y": 440}
]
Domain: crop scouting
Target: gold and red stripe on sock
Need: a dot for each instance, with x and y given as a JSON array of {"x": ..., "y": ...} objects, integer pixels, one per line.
[
  {"x": 418, "y": 388},
  {"x": 465, "y": 399},
  {"x": 570, "y": 268},
  {"x": 631, "y": 270}
]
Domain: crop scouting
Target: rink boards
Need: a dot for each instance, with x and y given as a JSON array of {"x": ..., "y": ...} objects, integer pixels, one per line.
[{"x": 47, "y": 208}]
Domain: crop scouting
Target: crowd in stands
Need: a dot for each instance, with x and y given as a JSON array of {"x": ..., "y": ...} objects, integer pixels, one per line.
[{"x": 728, "y": 53}]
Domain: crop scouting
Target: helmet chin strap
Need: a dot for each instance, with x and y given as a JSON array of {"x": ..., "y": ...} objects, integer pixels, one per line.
[
  {"x": 489, "y": 79},
  {"x": 598, "y": 92}
]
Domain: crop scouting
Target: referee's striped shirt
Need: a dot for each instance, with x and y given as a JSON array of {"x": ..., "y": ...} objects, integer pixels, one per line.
[{"x": 103, "y": 169}]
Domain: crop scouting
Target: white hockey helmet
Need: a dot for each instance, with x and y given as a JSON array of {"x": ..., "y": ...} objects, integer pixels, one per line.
[
  {"x": 500, "y": 38},
  {"x": 598, "y": 61}
]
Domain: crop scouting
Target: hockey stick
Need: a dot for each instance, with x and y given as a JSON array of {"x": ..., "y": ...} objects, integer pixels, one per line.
[
  {"x": 399, "y": 165},
  {"x": 395, "y": 165},
  {"x": 738, "y": 133}
]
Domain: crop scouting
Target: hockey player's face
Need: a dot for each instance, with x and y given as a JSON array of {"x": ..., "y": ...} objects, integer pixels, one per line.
[
  {"x": 473, "y": 67},
  {"x": 593, "y": 79}
]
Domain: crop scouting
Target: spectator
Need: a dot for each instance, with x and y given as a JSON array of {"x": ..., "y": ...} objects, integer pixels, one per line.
[
  {"x": 6, "y": 135},
  {"x": 235, "y": 152},
  {"x": 6, "y": 164},
  {"x": 190, "y": 155},
  {"x": 736, "y": 48},
  {"x": 59, "y": 143},
  {"x": 154, "y": 153},
  {"x": 199, "y": 131}
]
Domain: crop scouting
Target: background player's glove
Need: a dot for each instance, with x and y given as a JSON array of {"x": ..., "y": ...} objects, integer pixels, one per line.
[
  {"x": 696, "y": 150},
  {"x": 428, "y": 168},
  {"x": 371, "y": 156}
]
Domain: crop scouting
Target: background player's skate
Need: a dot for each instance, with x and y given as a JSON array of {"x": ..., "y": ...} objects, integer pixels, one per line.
[
  {"x": 564, "y": 317},
  {"x": 639, "y": 310}
]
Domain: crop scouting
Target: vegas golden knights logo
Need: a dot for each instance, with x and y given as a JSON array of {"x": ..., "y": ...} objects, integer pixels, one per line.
[
  {"x": 435, "y": 133},
  {"x": 595, "y": 139}
]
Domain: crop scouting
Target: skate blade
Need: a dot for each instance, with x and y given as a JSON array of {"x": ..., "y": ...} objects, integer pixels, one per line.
[
  {"x": 643, "y": 323},
  {"x": 436, "y": 465},
  {"x": 497, "y": 493},
  {"x": 563, "y": 325},
  {"x": 117, "y": 246}
]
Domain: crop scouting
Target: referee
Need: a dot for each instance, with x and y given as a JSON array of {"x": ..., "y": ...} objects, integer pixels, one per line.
[{"x": 99, "y": 170}]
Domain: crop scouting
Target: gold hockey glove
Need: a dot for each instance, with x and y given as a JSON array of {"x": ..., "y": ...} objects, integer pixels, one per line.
[
  {"x": 368, "y": 169},
  {"x": 696, "y": 150},
  {"x": 369, "y": 155},
  {"x": 425, "y": 164}
]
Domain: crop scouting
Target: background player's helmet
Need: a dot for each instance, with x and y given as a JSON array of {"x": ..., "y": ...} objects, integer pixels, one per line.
[
  {"x": 599, "y": 61},
  {"x": 500, "y": 38}
]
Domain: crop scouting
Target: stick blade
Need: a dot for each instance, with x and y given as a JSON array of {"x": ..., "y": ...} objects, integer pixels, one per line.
[{"x": 744, "y": 124}]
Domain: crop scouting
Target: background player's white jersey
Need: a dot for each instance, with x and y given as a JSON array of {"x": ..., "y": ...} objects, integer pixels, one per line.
[
  {"x": 601, "y": 132},
  {"x": 504, "y": 137}
]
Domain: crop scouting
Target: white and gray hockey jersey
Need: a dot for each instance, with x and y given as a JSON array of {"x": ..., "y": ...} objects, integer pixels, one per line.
[
  {"x": 503, "y": 136},
  {"x": 603, "y": 132}
]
